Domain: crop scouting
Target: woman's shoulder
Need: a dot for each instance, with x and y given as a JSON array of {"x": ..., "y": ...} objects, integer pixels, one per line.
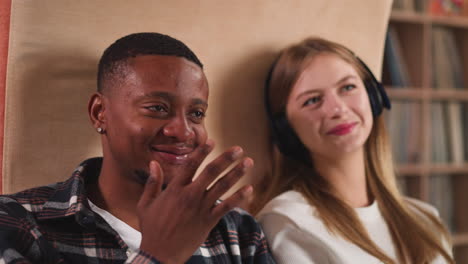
[
  {"x": 285, "y": 203},
  {"x": 294, "y": 231},
  {"x": 420, "y": 206},
  {"x": 423, "y": 209},
  {"x": 290, "y": 208},
  {"x": 290, "y": 197}
]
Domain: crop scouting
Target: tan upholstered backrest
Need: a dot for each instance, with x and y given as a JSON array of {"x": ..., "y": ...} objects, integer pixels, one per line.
[{"x": 54, "y": 46}]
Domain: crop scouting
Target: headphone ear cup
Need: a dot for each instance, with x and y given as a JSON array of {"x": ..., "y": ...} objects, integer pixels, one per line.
[
  {"x": 286, "y": 139},
  {"x": 385, "y": 101},
  {"x": 378, "y": 98},
  {"x": 374, "y": 98}
]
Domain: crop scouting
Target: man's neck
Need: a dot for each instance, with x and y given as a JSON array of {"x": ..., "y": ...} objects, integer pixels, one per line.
[{"x": 117, "y": 194}]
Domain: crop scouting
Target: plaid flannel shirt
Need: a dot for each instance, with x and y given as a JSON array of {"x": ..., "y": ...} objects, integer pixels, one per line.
[{"x": 54, "y": 224}]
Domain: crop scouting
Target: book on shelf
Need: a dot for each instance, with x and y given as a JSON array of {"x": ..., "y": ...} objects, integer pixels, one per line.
[
  {"x": 402, "y": 120},
  {"x": 448, "y": 75},
  {"x": 404, "y": 131},
  {"x": 413, "y": 131},
  {"x": 448, "y": 120},
  {"x": 442, "y": 77},
  {"x": 454, "y": 118},
  {"x": 440, "y": 152},
  {"x": 465, "y": 128},
  {"x": 440, "y": 195},
  {"x": 440, "y": 187},
  {"x": 448, "y": 7},
  {"x": 420, "y": 5},
  {"x": 449, "y": 144},
  {"x": 395, "y": 134},
  {"x": 454, "y": 58},
  {"x": 447, "y": 67},
  {"x": 395, "y": 64},
  {"x": 404, "y": 5},
  {"x": 409, "y": 5},
  {"x": 440, "y": 184}
]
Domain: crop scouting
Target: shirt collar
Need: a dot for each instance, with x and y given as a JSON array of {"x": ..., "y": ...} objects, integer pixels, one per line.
[{"x": 70, "y": 196}]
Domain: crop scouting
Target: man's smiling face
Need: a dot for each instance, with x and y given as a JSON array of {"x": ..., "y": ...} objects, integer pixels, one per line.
[{"x": 155, "y": 112}]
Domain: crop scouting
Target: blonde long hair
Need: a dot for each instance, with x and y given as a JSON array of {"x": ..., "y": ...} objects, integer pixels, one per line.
[{"x": 418, "y": 235}]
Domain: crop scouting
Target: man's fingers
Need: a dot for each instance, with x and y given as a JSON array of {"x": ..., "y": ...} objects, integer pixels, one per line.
[
  {"x": 217, "y": 166},
  {"x": 153, "y": 184},
  {"x": 228, "y": 180},
  {"x": 235, "y": 200},
  {"x": 200, "y": 154}
]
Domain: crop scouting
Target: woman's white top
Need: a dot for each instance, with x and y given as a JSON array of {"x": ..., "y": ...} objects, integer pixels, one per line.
[
  {"x": 296, "y": 234},
  {"x": 129, "y": 235}
]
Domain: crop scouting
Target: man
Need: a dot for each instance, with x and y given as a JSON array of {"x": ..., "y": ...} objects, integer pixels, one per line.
[{"x": 138, "y": 204}]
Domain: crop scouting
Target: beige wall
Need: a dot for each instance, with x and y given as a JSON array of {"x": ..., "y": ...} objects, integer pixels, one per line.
[{"x": 55, "y": 46}]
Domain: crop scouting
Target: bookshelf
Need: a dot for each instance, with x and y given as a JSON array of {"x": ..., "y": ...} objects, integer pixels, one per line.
[{"x": 425, "y": 73}]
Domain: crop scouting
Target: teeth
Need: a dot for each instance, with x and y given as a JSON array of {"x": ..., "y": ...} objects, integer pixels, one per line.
[{"x": 167, "y": 152}]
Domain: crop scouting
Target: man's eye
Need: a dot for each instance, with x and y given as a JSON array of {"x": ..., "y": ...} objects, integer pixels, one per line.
[
  {"x": 198, "y": 114},
  {"x": 312, "y": 101},
  {"x": 157, "y": 108}
]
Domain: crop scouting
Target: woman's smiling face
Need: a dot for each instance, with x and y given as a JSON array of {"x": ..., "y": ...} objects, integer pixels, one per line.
[{"x": 329, "y": 107}]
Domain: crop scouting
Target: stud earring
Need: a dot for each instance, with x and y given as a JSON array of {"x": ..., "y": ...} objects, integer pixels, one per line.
[{"x": 100, "y": 130}]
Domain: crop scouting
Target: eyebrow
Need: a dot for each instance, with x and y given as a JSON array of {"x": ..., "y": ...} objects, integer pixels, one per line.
[
  {"x": 170, "y": 97},
  {"x": 164, "y": 95},
  {"x": 198, "y": 101},
  {"x": 345, "y": 78}
]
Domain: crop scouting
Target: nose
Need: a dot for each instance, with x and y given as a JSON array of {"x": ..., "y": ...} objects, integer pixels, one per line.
[
  {"x": 334, "y": 106},
  {"x": 179, "y": 128}
]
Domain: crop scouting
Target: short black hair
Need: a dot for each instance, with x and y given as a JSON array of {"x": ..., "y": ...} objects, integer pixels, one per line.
[{"x": 146, "y": 43}]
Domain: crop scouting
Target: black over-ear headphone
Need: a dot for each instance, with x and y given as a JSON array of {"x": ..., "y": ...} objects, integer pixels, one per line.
[{"x": 283, "y": 134}]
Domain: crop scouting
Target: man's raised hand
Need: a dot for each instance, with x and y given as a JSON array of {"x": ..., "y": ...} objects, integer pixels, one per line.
[{"x": 175, "y": 221}]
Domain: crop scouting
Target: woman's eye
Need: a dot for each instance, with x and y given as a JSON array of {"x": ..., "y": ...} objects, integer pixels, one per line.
[
  {"x": 349, "y": 87},
  {"x": 312, "y": 100}
]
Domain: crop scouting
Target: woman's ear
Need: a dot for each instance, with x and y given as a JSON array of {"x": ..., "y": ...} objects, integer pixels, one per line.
[{"x": 96, "y": 112}]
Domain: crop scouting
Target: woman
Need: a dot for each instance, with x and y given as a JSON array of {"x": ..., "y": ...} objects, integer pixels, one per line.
[{"x": 335, "y": 196}]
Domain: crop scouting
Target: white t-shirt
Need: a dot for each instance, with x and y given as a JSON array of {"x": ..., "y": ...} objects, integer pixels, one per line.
[
  {"x": 296, "y": 234},
  {"x": 129, "y": 235}
]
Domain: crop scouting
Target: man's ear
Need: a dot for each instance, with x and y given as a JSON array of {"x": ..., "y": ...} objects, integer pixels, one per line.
[{"x": 96, "y": 112}]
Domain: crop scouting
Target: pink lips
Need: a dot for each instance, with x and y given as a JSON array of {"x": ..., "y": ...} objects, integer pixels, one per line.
[
  {"x": 342, "y": 129},
  {"x": 172, "y": 154}
]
